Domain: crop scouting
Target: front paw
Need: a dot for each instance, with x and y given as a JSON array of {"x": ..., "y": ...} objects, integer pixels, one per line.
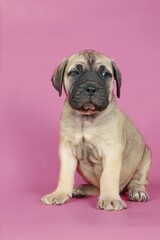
[
  {"x": 111, "y": 204},
  {"x": 55, "y": 198}
]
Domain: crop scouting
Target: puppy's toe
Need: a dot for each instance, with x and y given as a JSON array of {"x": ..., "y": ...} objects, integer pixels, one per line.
[
  {"x": 47, "y": 199},
  {"x": 111, "y": 204},
  {"x": 138, "y": 196}
]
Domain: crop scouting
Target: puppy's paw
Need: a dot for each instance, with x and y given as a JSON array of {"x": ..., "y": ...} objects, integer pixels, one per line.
[
  {"x": 78, "y": 192},
  {"x": 55, "y": 198},
  {"x": 111, "y": 204},
  {"x": 138, "y": 196}
]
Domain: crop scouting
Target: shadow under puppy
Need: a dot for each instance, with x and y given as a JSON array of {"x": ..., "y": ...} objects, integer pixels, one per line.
[{"x": 96, "y": 137}]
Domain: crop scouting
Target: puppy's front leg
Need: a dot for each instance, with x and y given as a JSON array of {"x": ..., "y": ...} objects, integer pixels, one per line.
[
  {"x": 109, "y": 198},
  {"x": 66, "y": 178}
]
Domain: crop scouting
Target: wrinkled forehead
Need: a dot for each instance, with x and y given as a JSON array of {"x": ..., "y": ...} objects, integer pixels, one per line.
[{"x": 89, "y": 61}]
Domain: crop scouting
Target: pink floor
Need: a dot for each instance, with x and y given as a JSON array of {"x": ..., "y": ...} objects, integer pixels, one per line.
[
  {"x": 24, "y": 217},
  {"x": 34, "y": 37}
]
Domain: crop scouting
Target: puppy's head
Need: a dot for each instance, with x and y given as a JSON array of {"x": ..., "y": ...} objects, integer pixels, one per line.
[{"x": 88, "y": 79}]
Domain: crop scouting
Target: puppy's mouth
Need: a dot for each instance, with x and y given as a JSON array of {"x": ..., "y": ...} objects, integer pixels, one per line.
[
  {"x": 86, "y": 104},
  {"x": 88, "y": 108}
]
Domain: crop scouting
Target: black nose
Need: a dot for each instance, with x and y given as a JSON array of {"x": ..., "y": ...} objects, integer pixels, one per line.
[{"x": 90, "y": 90}]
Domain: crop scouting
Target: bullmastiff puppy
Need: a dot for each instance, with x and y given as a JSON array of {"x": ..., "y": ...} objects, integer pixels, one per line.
[{"x": 96, "y": 137}]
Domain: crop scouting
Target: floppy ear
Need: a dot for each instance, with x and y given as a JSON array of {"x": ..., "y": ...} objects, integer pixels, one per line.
[
  {"x": 117, "y": 77},
  {"x": 58, "y": 75}
]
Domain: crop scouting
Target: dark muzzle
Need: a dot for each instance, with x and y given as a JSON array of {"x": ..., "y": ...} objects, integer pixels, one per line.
[{"x": 89, "y": 93}]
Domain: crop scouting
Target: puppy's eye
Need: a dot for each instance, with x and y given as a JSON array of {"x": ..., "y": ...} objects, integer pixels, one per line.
[
  {"x": 75, "y": 73},
  {"x": 105, "y": 74}
]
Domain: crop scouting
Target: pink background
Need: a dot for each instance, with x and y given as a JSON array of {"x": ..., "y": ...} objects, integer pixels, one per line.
[{"x": 34, "y": 37}]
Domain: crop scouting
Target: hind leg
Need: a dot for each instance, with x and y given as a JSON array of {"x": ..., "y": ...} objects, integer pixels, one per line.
[
  {"x": 137, "y": 185},
  {"x": 85, "y": 190}
]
